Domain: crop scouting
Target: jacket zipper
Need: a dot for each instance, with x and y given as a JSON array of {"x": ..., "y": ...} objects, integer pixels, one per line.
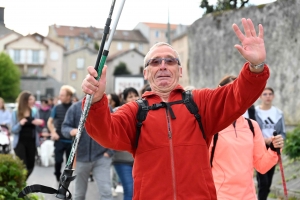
[{"x": 172, "y": 154}]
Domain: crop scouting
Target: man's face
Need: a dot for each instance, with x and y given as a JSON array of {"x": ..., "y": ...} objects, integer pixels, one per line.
[
  {"x": 64, "y": 97},
  {"x": 164, "y": 77},
  {"x": 267, "y": 97}
]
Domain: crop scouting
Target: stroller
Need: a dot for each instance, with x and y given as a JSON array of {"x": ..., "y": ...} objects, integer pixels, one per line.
[{"x": 5, "y": 143}]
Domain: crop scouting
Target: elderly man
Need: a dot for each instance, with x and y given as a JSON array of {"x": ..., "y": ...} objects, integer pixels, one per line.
[{"x": 171, "y": 159}]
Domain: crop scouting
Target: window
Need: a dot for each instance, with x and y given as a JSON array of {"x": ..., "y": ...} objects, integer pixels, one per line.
[
  {"x": 17, "y": 56},
  {"x": 53, "y": 71},
  {"x": 35, "y": 57},
  {"x": 54, "y": 55},
  {"x": 157, "y": 34},
  {"x": 67, "y": 42},
  {"x": 80, "y": 63},
  {"x": 132, "y": 46},
  {"x": 73, "y": 76},
  {"x": 141, "y": 47},
  {"x": 76, "y": 43},
  {"x": 119, "y": 47}
]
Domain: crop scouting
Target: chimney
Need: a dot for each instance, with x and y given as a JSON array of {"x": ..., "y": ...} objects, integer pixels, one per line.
[{"x": 2, "y": 16}]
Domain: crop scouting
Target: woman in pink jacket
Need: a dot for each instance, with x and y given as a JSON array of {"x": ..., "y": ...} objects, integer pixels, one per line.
[{"x": 235, "y": 151}]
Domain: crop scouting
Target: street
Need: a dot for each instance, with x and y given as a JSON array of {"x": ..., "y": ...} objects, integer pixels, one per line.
[{"x": 44, "y": 176}]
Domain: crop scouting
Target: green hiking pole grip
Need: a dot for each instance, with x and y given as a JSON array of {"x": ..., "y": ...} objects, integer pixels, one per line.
[{"x": 101, "y": 64}]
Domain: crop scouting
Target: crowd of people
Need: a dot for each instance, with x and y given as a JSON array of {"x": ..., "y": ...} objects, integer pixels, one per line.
[{"x": 210, "y": 154}]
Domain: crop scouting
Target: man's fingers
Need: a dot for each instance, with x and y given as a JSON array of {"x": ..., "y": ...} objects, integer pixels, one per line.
[
  {"x": 92, "y": 71},
  {"x": 240, "y": 49},
  {"x": 103, "y": 75},
  {"x": 261, "y": 31},
  {"x": 246, "y": 28},
  {"x": 238, "y": 32},
  {"x": 251, "y": 27}
]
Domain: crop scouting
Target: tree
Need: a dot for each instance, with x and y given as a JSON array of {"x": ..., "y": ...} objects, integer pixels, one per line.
[
  {"x": 9, "y": 78},
  {"x": 96, "y": 46},
  {"x": 223, "y": 5},
  {"x": 121, "y": 69}
]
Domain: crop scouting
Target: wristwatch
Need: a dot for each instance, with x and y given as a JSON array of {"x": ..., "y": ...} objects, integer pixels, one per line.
[{"x": 257, "y": 66}]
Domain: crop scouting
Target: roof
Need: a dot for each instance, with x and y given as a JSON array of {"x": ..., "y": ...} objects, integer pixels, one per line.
[
  {"x": 5, "y": 31},
  {"x": 130, "y": 35},
  {"x": 51, "y": 40},
  {"x": 96, "y": 33},
  {"x": 80, "y": 49},
  {"x": 120, "y": 53},
  {"x": 159, "y": 25},
  {"x": 29, "y": 36}
]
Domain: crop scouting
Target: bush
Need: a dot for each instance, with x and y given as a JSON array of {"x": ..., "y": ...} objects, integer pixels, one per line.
[
  {"x": 12, "y": 178},
  {"x": 292, "y": 144}
]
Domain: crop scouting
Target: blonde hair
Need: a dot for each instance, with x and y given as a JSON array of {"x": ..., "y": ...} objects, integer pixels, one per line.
[
  {"x": 69, "y": 89},
  {"x": 158, "y": 45}
]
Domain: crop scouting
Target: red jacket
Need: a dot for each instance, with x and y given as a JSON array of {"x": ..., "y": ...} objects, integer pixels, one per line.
[{"x": 171, "y": 161}]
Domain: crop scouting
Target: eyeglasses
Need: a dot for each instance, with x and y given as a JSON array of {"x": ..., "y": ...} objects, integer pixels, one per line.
[
  {"x": 267, "y": 94},
  {"x": 157, "y": 61}
]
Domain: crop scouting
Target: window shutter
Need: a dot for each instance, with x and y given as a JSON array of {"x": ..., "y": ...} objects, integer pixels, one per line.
[
  {"x": 11, "y": 53},
  {"x": 42, "y": 57},
  {"x": 29, "y": 56},
  {"x": 23, "y": 56}
]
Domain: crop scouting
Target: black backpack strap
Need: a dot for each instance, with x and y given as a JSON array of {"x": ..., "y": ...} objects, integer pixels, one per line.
[
  {"x": 193, "y": 108},
  {"x": 213, "y": 148},
  {"x": 251, "y": 126},
  {"x": 141, "y": 116}
]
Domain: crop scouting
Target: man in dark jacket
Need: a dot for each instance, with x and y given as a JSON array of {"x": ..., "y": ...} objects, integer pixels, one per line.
[
  {"x": 62, "y": 145},
  {"x": 90, "y": 157}
]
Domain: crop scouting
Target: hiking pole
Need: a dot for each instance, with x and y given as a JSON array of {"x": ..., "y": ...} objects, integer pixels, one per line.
[
  {"x": 281, "y": 171},
  {"x": 63, "y": 192}
]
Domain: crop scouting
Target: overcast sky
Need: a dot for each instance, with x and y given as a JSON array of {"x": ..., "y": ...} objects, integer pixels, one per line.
[{"x": 30, "y": 16}]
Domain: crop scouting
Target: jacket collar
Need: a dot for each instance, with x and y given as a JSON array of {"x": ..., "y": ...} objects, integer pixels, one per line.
[{"x": 178, "y": 88}]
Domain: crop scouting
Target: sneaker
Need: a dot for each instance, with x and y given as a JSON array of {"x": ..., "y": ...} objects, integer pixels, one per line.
[
  {"x": 113, "y": 192},
  {"x": 119, "y": 189},
  {"x": 91, "y": 179}
]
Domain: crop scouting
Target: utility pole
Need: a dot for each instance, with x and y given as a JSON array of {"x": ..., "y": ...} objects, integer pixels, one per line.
[{"x": 169, "y": 29}]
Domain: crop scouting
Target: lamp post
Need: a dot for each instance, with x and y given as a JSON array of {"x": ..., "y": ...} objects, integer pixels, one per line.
[{"x": 169, "y": 29}]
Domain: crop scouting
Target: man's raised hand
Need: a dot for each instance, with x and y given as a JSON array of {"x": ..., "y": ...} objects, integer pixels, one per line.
[{"x": 253, "y": 47}]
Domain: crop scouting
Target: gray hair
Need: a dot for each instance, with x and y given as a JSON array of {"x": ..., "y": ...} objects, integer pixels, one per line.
[{"x": 158, "y": 45}]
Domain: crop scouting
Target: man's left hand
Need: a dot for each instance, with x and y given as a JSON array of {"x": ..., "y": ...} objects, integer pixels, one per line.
[{"x": 253, "y": 46}]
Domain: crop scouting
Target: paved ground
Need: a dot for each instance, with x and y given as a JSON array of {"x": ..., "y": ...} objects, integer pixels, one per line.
[{"x": 44, "y": 176}]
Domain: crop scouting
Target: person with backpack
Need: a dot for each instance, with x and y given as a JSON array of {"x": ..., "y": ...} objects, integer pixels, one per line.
[
  {"x": 270, "y": 119},
  {"x": 90, "y": 157},
  {"x": 235, "y": 151},
  {"x": 170, "y": 134}
]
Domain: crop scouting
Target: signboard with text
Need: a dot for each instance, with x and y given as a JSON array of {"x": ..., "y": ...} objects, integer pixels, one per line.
[{"x": 122, "y": 82}]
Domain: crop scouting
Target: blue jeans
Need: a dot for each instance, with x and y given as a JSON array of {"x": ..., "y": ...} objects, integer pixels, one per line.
[{"x": 124, "y": 172}]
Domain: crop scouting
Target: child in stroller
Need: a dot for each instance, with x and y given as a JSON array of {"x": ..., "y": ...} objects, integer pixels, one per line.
[{"x": 5, "y": 143}]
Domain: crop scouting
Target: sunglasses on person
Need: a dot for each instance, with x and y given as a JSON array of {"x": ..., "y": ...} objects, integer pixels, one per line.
[{"x": 157, "y": 61}]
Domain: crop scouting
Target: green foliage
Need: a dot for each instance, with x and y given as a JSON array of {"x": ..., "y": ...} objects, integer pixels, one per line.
[
  {"x": 9, "y": 78},
  {"x": 222, "y": 5},
  {"x": 292, "y": 144},
  {"x": 12, "y": 177},
  {"x": 121, "y": 69},
  {"x": 96, "y": 46}
]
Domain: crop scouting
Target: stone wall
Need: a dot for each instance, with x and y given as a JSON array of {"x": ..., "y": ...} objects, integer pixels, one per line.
[{"x": 212, "y": 54}]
